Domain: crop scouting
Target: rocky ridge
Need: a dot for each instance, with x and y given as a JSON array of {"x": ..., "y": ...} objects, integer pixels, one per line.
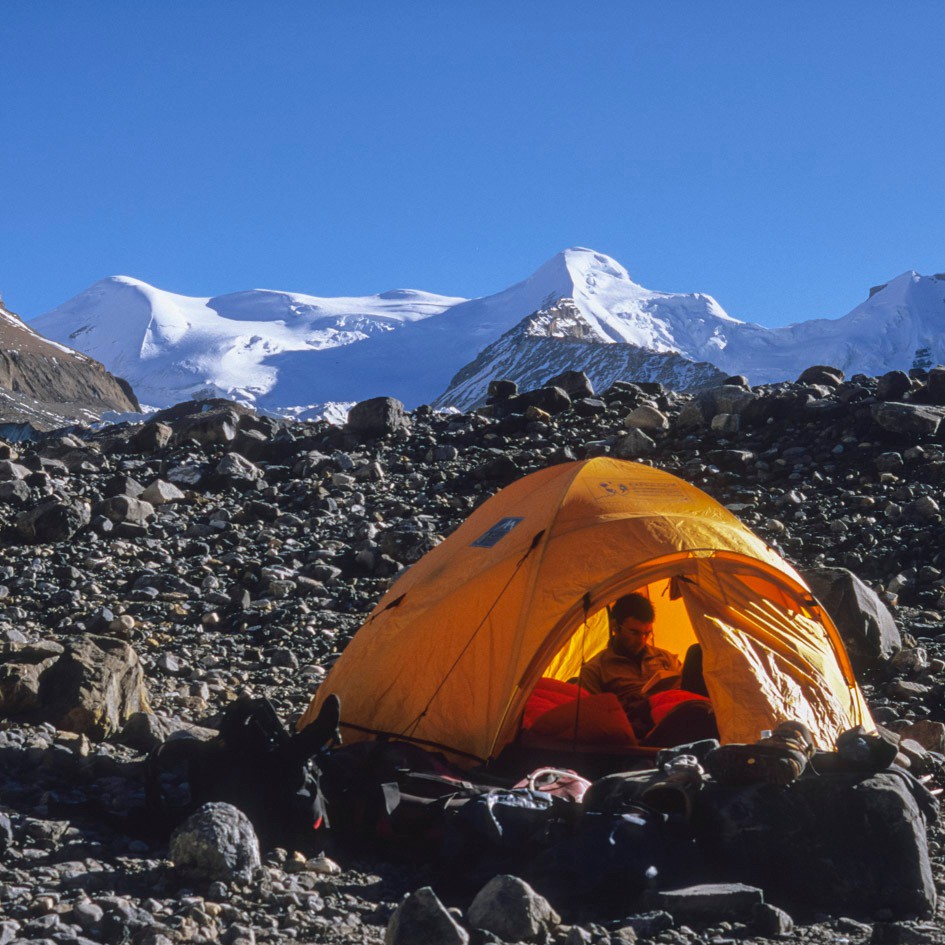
[
  {"x": 48, "y": 385},
  {"x": 556, "y": 339},
  {"x": 223, "y": 552}
]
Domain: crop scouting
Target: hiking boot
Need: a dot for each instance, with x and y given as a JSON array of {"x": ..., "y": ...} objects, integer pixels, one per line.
[
  {"x": 674, "y": 794},
  {"x": 776, "y": 758}
]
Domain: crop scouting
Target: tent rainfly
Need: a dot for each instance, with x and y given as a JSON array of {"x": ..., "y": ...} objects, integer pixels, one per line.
[{"x": 519, "y": 591}]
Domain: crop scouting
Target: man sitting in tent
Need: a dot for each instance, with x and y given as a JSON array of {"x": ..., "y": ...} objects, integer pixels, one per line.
[{"x": 630, "y": 666}]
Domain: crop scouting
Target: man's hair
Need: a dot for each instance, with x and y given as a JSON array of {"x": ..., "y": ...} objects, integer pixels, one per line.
[{"x": 632, "y": 605}]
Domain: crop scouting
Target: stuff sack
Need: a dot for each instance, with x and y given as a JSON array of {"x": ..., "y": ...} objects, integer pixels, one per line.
[{"x": 254, "y": 764}]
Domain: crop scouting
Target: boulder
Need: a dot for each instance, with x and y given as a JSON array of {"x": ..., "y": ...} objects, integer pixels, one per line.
[
  {"x": 822, "y": 374},
  {"x": 125, "y": 509},
  {"x": 151, "y": 437},
  {"x": 54, "y": 519},
  {"x": 907, "y": 419},
  {"x": 216, "y": 843},
  {"x": 209, "y": 427},
  {"x": 633, "y": 444},
  {"x": 709, "y": 902},
  {"x": 935, "y": 386},
  {"x": 122, "y": 485},
  {"x": 10, "y": 471},
  {"x": 576, "y": 384},
  {"x": 14, "y": 492},
  {"x": 892, "y": 385},
  {"x": 376, "y": 417},
  {"x": 501, "y": 390},
  {"x": 144, "y": 731},
  {"x": 808, "y": 843},
  {"x": 865, "y": 623},
  {"x": 94, "y": 687},
  {"x": 553, "y": 400},
  {"x": 21, "y": 669},
  {"x": 509, "y": 908},
  {"x": 160, "y": 492},
  {"x": 421, "y": 919},
  {"x": 646, "y": 417},
  {"x": 235, "y": 470}
]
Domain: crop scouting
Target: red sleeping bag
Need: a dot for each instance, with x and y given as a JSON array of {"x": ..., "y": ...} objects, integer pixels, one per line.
[{"x": 554, "y": 711}]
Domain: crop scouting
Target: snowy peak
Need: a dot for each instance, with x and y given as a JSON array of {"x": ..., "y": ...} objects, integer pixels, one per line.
[
  {"x": 561, "y": 338},
  {"x": 284, "y": 351}
]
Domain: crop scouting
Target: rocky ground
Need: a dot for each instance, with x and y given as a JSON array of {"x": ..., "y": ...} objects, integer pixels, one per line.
[{"x": 213, "y": 552}]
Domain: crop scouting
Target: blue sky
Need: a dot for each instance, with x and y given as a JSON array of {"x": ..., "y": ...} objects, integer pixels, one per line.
[{"x": 781, "y": 157}]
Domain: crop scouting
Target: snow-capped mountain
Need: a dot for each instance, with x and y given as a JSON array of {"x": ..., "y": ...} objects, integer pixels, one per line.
[
  {"x": 554, "y": 340},
  {"x": 174, "y": 347},
  {"x": 281, "y": 350},
  {"x": 284, "y": 351},
  {"x": 901, "y": 325}
]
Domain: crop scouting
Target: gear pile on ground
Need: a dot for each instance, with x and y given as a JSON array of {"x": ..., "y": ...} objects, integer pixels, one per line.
[{"x": 152, "y": 573}]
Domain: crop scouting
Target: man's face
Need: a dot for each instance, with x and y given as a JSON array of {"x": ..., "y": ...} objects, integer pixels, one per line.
[{"x": 632, "y": 636}]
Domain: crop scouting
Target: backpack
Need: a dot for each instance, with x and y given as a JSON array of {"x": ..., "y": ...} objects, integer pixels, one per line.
[{"x": 254, "y": 764}]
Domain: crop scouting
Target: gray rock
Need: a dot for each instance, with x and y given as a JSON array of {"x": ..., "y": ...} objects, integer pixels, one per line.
[
  {"x": 216, "y": 843},
  {"x": 87, "y": 914},
  {"x": 14, "y": 492},
  {"x": 160, "y": 492},
  {"x": 377, "y": 417},
  {"x": 125, "y": 509},
  {"x": 576, "y": 384},
  {"x": 807, "y": 843},
  {"x": 935, "y": 386},
  {"x": 726, "y": 423},
  {"x": 553, "y": 400},
  {"x": 501, "y": 390},
  {"x": 908, "y": 419},
  {"x": 647, "y": 924},
  {"x": 9, "y": 931},
  {"x": 511, "y": 909},
  {"x": 53, "y": 520},
  {"x": 865, "y": 623},
  {"x": 12, "y": 472},
  {"x": 421, "y": 919},
  {"x": 236, "y": 470},
  {"x": 21, "y": 671},
  {"x": 6, "y": 833},
  {"x": 710, "y": 901},
  {"x": 771, "y": 921},
  {"x": 151, "y": 437},
  {"x": 892, "y": 385},
  {"x": 633, "y": 444},
  {"x": 646, "y": 417},
  {"x": 208, "y": 428},
  {"x": 822, "y": 374},
  {"x": 930, "y": 735},
  {"x": 889, "y": 462}
]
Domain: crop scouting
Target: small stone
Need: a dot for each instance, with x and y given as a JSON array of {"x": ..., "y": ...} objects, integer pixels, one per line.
[
  {"x": 769, "y": 920},
  {"x": 322, "y": 864},
  {"x": 421, "y": 919},
  {"x": 511, "y": 909}
]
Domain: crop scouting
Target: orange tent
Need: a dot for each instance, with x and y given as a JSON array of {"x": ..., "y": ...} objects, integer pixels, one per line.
[{"x": 450, "y": 655}]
